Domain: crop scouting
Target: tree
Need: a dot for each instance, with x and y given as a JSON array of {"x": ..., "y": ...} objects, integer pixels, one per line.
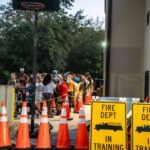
[
  {"x": 54, "y": 32},
  {"x": 86, "y": 54},
  {"x": 60, "y": 36}
]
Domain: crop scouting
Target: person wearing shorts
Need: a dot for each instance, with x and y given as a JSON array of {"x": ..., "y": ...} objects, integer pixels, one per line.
[
  {"x": 38, "y": 92},
  {"x": 48, "y": 92}
]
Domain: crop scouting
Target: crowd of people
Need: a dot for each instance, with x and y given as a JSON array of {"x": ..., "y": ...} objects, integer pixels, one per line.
[{"x": 49, "y": 87}]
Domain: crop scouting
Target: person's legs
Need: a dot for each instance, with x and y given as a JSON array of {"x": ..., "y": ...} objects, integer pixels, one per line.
[
  {"x": 47, "y": 96},
  {"x": 50, "y": 105},
  {"x": 70, "y": 95},
  {"x": 38, "y": 105},
  {"x": 84, "y": 94},
  {"x": 59, "y": 105},
  {"x": 49, "y": 109},
  {"x": 74, "y": 101},
  {"x": 56, "y": 99}
]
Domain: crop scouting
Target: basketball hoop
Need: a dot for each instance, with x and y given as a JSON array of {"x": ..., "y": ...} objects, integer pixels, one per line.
[{"x": 33, "y": 5}]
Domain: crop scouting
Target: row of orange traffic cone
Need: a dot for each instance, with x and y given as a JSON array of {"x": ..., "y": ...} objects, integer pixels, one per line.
[
  {"x": 63, "y": 141},
  {"x": 43, "y": 141},
  {"x": 79, "y": 104}
]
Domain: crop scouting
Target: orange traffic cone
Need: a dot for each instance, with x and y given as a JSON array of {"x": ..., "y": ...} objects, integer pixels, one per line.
[
  {"x": 66, "y": 105},
  {"x": 87, "y": 98},
  {"x": 23, "y": 140},
  {"x": 5, "y": 141},
  {"x": 63, "y": 140},
  {"x": 79, "y": 103},
  {"x": 43, "y": 141},
  {"x": 82, "y": 141}
]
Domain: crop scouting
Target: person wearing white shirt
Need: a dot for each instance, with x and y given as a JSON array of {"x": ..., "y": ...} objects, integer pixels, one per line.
[
  {"x": 48, "y": 92},
  {"x": 38, "y": 92}
]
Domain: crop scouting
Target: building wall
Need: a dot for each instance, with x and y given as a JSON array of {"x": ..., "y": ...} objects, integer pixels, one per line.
[
  {"x": 147, "y": 38},
  {"x": 147, "y": 45},
  {"x": 127, "y": 46}
]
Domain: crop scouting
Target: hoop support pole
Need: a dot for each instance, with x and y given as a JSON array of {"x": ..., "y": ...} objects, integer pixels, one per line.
[{"x": 34, "y": 68}]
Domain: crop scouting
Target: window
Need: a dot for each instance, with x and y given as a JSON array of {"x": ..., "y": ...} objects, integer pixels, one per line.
[
  {"x": 147, "y": 18},
  {"x": 146, "y": 89}
]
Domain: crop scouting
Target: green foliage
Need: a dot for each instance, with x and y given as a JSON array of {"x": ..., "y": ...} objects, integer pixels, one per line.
[
  {"x": 65, "y": 41},
  {"x": 86, "y": 54}
]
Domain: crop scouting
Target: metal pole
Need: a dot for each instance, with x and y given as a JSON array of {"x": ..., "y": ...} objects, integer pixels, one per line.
[
  {"x": 107, "y": 55},
  {"x": 34, "y": 69}
]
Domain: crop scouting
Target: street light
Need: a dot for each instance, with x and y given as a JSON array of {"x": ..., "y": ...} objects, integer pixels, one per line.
[{"x": 104, "y": 45}]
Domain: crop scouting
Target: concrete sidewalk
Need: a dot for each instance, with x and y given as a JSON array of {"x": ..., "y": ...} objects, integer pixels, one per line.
[{"x": 72, "y": 124}]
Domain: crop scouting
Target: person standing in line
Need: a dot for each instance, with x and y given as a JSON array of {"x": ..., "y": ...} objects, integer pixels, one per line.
[
  {"x": 29, "y": 89},
  {"x": 62, "y": 94},
  {"x": 48, "y": 91},
  {"x": 91, "y": 84},
  {"x": 38, "y": 91},
  {"x": 71, "y": 90},
  {"x": 76, "y": 93},
  {"x": 24, "y": 80},
  {"x": 84, "y": 83},
  {"x": 56, "y": 79},
  {"x": 23, "y": 77},
  {"x": 13, "y": 81}
]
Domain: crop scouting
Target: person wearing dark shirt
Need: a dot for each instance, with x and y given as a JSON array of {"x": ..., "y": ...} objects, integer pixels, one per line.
[
  {"x": 23, "y": 78},
  {"x": 56, "y": 79}
]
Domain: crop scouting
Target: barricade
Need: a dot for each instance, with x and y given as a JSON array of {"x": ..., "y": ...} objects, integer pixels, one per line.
[
  {"x": 8, "y": 94},
  {"x": 115, "y": 100},
  {"x": 64, "y": 126},
  {"x": 23, "y": 140}
]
